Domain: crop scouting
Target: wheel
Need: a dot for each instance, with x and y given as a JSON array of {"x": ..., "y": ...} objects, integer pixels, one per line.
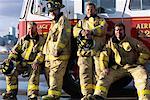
[{"x": 71, "y": 84}]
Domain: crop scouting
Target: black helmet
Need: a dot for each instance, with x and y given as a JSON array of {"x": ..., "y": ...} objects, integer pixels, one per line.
[
  {"x": 85, "y": 44},
  {"x": 54, "y": 5},
  {"x": 8, "y": 67}
]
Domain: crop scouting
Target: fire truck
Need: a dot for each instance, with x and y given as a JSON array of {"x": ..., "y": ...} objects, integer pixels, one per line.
[{"x": 133, "y": 13}]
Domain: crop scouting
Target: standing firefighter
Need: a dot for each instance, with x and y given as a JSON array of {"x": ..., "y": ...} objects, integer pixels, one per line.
[
  {"x": 123, "y": 56},
  {"x": 25, "y": 57},
  {"x": 57, "y": 50},
  {"x": 91, "y": 37}
]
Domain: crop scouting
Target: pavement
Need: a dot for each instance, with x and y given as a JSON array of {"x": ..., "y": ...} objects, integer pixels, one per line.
[
  {"x": 22, "y": 94},
  {"x": 125, "y": 94},
  {"x": 23, "y": 88}
]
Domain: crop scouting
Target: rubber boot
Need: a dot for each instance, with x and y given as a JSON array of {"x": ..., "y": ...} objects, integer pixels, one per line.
[
  {"x": 33, "y": 97},
  {"x": 50, "y": 97},
  {"x": 9, "y": 96}
]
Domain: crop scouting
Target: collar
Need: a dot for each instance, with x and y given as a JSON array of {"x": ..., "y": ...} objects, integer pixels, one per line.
[
  {"x": 115, "y": 40},
  {"x": 94, "y": 16},
  {"x": 58, "y": 16},
  {"x": 34, "y": 38}
]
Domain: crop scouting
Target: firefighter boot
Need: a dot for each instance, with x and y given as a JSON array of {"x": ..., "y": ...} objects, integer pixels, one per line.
[
  {"x": 49, "y": 97},
  {"x": 9, "y": 96},
  {"x": 33, "y": 97},
  {"x": 97, "y": 97},
  {"x": 88, "y": 97}
]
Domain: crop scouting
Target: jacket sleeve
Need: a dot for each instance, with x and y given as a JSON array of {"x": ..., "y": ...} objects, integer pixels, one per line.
[
  {"x": 45, "y": 45},
  {"x": 104, "y": 57},
  {"x": 100, "y": 29},
  {"x": 77, "y": 29},
  {"x": 144, "y": 53},
  {"x": 64, "y": 36},
  {"x": 16, "y": 50},
  {"x": 40, "y": 56}
]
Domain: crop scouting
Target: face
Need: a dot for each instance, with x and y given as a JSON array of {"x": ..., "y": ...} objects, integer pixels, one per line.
[
  {"x": 90, "y": 10},
  {"x": 119, "y": 32},
  {"x": 32, "y": 30}
]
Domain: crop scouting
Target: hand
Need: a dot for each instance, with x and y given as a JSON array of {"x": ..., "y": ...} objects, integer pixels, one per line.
[
  {"x": 106, "y": 71},
  {"x": 86, "y": 34},
  {"x": 35, "y": 66}
]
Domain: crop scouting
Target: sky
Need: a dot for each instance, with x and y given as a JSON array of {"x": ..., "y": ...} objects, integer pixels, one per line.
[{"x": 9, "y": 14}]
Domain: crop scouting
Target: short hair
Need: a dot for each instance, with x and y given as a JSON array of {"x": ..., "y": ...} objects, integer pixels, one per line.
[
  {"x": 120, "y": 24},
  {"x": 91, "y": 4},
  {"x": 31, "y": 24}
]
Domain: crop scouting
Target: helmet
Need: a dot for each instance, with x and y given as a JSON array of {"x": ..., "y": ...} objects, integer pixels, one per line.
[
  {"x": 84, "y": 43},
  {"x": 54, "y": 5},
  {"x": 8, "y": 67}
]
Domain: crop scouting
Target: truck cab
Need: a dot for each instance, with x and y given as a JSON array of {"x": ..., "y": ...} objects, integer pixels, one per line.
[{"x": 133, "y": 13}]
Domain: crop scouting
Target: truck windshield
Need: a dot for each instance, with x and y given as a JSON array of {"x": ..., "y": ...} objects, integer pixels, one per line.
[
  {"x": 103, "y": 6},
  {"x": 140, "y": 4},
  {"x": 39, "y": 7}
]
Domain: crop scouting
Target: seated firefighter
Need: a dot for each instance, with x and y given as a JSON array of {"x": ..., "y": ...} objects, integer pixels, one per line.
[
  {"x": 123, "y": 56},
  {"x": 24, "y": 58}
]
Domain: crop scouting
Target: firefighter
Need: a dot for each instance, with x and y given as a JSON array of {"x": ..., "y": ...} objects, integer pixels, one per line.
[
  {"x": 26, "y": 56},
  {"x": 57, "y": 50},
  {"x": 91, "y": 37},
  {"x": 122, "y": 56}
]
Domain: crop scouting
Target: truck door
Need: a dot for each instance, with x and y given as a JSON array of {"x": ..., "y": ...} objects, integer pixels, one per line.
[{"x": 140, "y": 20}]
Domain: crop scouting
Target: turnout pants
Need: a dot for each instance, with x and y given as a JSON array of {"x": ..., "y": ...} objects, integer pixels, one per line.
[
  {"x": 55, "y": 70},
  {"x": 33, "y": 81},
  {"x": 87, "y": 68},
  {"x": 138, "y": 73}
]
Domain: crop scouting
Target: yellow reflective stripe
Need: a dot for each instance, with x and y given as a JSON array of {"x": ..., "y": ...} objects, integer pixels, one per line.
[
  {"x": 103, "y": 65},
  {"x": 29, "y": 62},
  {"x": 126, "y": 46},
  {"x": 53, "y": 92},
  {"x": 62, "y": 57},
  {"x": 12, "y": 87},
  {"x": 3, "y": 70},
  {"x": 39, "y": 58},
  {"x": 33, "y": 87},
  {"x": 117, "y": 56},
  {"x": 89, "y": 86},
  {"x": 102, "y": 88},
  {"x": 29, "y": 50},
  {"x": 143, "y": 92},
  {"x": 102, "y": 22},
  {"x": 12, "y": 55}
]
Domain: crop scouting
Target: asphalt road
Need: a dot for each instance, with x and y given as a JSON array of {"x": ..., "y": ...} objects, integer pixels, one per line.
[
  {"x": 43, "y": 90},
  {"x": 23, "y": 88}
]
